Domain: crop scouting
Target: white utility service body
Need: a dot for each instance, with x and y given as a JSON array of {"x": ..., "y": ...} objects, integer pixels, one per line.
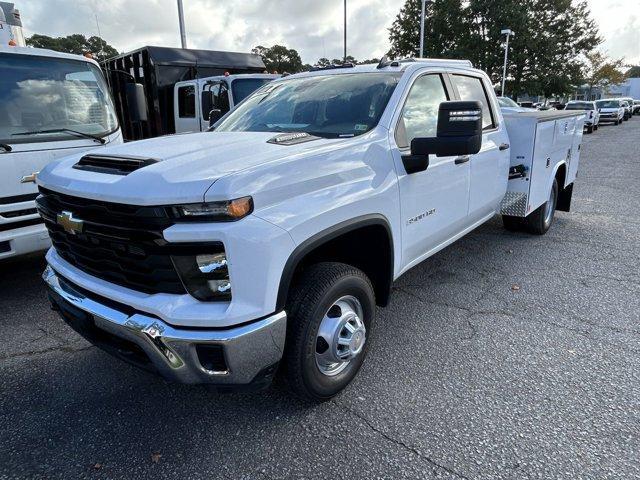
[
  {"x": 326, "y": 186},
  {"x": 541, "y": 142},
  {"x": 191, "y": 107},
  {"x": 42, "y": 90}
]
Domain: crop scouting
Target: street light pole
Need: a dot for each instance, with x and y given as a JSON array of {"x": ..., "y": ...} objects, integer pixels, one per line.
[
  {"x": 422, "y": 18},
  {"x": 183, "y": 35},
  {"x": 508, "y": 33},
  {"x": 344, "y": 58}
]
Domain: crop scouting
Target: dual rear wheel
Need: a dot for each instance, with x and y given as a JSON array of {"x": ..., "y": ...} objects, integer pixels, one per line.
[{"x": 540, "y": 220}]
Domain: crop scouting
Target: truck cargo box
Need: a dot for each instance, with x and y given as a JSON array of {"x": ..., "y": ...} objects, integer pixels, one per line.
[{"x": 541, "y": 141}]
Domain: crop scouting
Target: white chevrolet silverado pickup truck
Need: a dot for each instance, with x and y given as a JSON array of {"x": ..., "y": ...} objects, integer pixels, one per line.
[{"x": 265, "y": 245}]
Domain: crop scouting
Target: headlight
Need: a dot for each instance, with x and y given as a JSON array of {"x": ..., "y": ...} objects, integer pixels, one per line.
[
  {"x": 205, "y": 276},
  {"x": 225, "y": 211}
]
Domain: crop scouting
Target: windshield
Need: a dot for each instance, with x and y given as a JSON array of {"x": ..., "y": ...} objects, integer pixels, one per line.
[
  {"x": 507, "y": 102},
  {"x": 40, "y": 93},
  {"x": 243, "y": 87},
  {"x": 343, "y": 105},
  {"x": 579, "y": 106},
  {"x": 608, "y": 104}
]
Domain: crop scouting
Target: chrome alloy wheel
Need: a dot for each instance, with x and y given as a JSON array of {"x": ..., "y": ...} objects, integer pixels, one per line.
[
  {"x": 549, "y": 208},
  {"x": 341, "y": 335}
]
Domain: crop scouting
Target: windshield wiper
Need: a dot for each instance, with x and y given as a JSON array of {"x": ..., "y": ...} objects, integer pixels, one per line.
[
  {"x": 100, "y": 140},
  {"x": 7, "y": 148}
]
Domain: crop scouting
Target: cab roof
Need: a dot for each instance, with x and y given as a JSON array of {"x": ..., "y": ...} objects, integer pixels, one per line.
[{"x": 41, "y": 52}]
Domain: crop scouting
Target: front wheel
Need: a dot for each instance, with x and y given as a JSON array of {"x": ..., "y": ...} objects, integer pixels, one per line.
[
  {"x": 540, "y": 221},
  {"x": 590, "y": 129},
  {"x": 330, "y": 318}
]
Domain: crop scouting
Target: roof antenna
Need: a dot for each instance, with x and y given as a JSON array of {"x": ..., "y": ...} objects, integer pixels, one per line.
[{"x": 384, "y": 62}]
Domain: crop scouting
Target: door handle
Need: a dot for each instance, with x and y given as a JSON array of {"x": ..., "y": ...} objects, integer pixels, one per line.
[
  {"x": 461, "y": 160},
  {"x": 504, "y": 146}
]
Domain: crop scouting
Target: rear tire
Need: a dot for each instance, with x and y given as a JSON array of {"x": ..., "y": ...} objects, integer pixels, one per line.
[
  {"x": 325, "y": 298},
  {"x": 541, "y": 220}
]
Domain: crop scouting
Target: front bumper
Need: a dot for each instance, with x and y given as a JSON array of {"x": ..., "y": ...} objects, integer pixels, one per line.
[
  {"x": 246, "y": 355},
  {"x": 23, "y": 240}
]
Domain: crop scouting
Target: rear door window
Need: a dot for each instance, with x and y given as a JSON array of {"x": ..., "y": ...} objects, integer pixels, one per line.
[{"x": 472, "y": 88}]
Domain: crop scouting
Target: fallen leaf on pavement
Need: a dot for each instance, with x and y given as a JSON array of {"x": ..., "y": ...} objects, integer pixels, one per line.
[{"x": 155, "y": 457}]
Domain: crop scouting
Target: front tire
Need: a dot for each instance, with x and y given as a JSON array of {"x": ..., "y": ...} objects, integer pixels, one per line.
[
  {"x": 590, "y": 129},
  {"x": 330, "y": 317},
  {"x": 541, "y": 220}
]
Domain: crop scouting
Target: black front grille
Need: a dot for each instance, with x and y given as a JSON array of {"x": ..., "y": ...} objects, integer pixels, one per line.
[
  {"x": 22, "y": 223},
  {"x": 119, "y": 243}
]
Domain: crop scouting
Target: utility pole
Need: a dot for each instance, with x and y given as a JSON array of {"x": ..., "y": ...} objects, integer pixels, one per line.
[
  {"x": 508, "y": 32},
  {"x": 344, "y": 58},
  {"x": 183, "y": 35},
  {"x": 422, "y": 19}
]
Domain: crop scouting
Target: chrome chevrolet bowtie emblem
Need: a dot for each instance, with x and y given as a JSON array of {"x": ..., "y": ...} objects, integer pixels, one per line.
[{"x": 71, "y": 225}]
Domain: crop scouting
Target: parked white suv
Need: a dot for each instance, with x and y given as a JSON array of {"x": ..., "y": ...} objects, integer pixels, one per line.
[
  {"x": 592, "y": 115},
  {"x": 611, "y": 110},
  {"x": 214, "y": 257}
]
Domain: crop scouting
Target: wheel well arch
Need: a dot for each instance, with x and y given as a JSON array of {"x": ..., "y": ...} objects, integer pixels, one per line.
[
  {"x": 364, "y": 242},
  {"x": 561, "y": 175}
]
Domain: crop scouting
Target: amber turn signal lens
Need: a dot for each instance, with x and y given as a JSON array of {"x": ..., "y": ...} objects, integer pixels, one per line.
[{"x": 240, "y": 207}]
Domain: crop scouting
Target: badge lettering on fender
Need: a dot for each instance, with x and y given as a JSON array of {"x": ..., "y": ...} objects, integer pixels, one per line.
[{"x": 422, "y": 216}]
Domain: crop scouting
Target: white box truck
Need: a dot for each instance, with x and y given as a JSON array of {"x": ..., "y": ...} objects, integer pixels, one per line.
[
  {"x": 265, "y": 245},
  {"x": 51, "y": 104}
]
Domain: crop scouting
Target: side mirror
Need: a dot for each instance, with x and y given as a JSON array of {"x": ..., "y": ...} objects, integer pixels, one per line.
[
  {"x": 137, "y": 102},
  {"x": 214, "y": 116},
  {"x": 459, "y": 131}
]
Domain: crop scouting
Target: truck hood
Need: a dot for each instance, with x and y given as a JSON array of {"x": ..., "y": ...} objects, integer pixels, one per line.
[{"x": 185, "y": 166}]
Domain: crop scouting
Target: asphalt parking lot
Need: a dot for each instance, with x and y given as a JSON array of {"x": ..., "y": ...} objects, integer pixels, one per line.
[{"x": 504, "y": 356}]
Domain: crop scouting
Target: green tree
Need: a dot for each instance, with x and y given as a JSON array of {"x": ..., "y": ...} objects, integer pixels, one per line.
[
  {"x": 633, "y": 72},
  {"x": 279, "y": 58},
  {"x": 551, "y": 37},
  {"x": 76, "y": 43},
  {"x": 602, "y": 72},
  {"x": 444, "y": 29}
]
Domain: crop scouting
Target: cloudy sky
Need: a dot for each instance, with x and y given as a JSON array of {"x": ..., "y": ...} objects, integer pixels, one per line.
[{"x": 313, "y": 27}]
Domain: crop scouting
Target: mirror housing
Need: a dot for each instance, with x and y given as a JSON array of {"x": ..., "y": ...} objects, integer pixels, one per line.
[
  {"x": 214, "y": 115},
  {"x": 136, "y": 101},
  {"x": 459, "y": 131}
]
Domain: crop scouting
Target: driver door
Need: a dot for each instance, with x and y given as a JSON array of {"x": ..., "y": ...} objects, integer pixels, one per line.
[{"x": 434, "y": 202}]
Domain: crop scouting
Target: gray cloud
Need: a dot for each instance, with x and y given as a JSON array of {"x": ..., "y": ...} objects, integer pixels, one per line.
[{"x": 313, "y": 27}]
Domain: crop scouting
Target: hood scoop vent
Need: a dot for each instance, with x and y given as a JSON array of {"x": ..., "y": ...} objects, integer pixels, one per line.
[
  {"x": 114, "y": 165},
  {"x": 292, "y": 138}
]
